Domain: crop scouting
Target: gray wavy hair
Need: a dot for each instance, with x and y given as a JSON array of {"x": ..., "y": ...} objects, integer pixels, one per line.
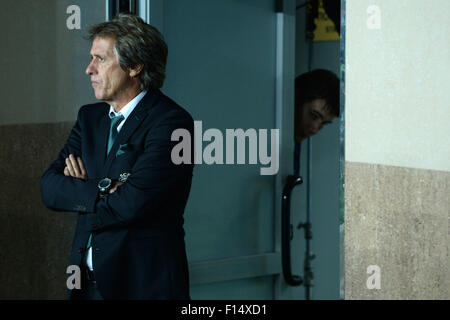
[{"x": 137, "y": 43}]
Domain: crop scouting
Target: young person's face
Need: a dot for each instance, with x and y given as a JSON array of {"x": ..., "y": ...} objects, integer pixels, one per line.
[{"x": 311, "y": 118}]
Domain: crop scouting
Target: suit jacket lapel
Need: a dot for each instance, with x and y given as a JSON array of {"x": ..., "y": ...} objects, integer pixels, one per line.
[
  {"x": 102, "y": 139},
  {"x": 134, "y": 119}
]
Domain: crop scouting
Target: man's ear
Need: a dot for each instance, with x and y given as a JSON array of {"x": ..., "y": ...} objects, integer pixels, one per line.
[{"x": 134, "y": 72}]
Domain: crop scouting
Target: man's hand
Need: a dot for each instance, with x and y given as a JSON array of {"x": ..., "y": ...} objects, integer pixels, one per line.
[
  {"x": 115, "y": 184},
  {"x": 75, "y": 168}
]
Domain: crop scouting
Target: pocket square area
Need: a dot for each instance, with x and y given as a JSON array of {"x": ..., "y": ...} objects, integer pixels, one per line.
[
  {"x": 123, "y": 146},
  {"x": 122, "y": 149},
  {"x": 119, "y": 152}
]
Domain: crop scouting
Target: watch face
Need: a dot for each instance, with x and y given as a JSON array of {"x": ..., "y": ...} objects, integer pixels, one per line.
[{"x": 104, "y": 183}]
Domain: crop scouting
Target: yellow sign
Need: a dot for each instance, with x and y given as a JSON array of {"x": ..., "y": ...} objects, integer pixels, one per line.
[{"x": 325, "y": 29}]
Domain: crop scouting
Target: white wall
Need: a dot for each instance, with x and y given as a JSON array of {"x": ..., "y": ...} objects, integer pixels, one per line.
[{"x": 397, "y": 84}]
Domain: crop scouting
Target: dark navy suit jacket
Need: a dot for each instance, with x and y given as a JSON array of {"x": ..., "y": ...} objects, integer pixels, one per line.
[{"x": 138, "y": 236}]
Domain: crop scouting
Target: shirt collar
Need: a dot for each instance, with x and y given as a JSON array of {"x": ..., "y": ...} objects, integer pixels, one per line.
[{"x": 129, "y": 107}]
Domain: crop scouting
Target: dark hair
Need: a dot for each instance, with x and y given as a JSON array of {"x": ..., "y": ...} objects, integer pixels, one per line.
[
  {"x": 318, "y": 84},
  {"x": 137, "y": 43}
]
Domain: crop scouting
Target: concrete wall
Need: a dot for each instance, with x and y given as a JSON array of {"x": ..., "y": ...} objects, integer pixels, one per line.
[{"x": 397, "y": 178}]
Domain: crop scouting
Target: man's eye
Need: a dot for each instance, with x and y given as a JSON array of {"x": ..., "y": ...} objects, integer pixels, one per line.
[{"x": 98, "y": 58}]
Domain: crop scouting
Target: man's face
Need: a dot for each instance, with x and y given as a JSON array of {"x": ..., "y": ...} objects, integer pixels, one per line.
[
  {"x": 311, "y": 118},
  {"x": 109, "y": 80}
]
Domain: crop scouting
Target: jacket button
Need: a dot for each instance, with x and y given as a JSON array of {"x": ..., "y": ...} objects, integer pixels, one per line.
[{"x": 80, "y": 250}]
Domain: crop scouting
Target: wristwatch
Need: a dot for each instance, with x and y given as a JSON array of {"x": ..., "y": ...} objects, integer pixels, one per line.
[{"x": 104, "y": 185}]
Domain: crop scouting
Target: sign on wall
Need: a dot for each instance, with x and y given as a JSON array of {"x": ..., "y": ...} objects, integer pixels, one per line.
[{"x": 319, "y": 23}]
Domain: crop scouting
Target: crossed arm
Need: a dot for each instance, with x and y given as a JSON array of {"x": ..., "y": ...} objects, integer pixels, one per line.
[
  {"x": 75, "y": 168},
  {"x": 155, "y": 180}
]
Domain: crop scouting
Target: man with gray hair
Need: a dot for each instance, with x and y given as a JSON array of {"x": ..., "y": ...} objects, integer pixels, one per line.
[{"x": 115, "y": 170}]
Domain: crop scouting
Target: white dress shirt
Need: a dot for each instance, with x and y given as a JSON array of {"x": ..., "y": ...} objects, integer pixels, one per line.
[{"x": 125, "y": 111}]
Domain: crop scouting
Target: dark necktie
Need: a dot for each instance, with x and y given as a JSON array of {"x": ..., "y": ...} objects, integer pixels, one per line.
[{"x": 115, "y": 121}]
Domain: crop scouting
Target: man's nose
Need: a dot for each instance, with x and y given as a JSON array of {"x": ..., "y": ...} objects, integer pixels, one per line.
[{"x": 90, "y": 69}]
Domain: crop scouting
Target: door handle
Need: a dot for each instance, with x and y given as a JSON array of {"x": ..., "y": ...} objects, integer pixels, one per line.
[{"x": 286, "y": 230}]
